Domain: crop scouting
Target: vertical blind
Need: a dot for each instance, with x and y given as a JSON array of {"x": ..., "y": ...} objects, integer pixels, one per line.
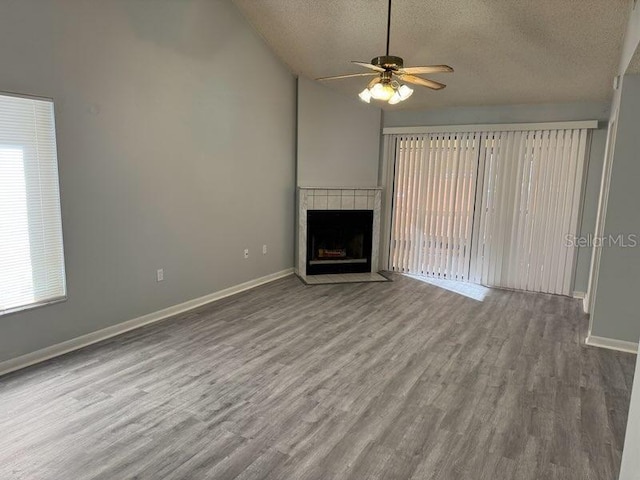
[
  {"x": 434, "y": 194},
  {"x": 494, "y": 208},
  {"x": 529, "y": 205},
  {"x": 31, "y": 250}
]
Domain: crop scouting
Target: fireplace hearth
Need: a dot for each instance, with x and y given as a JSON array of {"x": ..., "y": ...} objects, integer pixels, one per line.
[{"x": 339, "y": 241}]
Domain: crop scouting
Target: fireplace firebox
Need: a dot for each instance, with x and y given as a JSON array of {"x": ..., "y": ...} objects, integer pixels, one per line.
[{"x": 339, "y": 241}]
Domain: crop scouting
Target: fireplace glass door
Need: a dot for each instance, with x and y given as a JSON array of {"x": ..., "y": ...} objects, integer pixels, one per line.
[{"x": 339, "y": 241}]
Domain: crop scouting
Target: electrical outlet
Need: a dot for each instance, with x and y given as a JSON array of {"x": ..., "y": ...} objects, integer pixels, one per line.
[
  {"x": 264, "y": 249},
  {"x": 160, "y": 275},
  {"x": 246, "y": 253}
]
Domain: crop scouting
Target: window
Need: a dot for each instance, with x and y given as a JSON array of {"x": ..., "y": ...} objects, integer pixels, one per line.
[{"x": 31, "y": 251}]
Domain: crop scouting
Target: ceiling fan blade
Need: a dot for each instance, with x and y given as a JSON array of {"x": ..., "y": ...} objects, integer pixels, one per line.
[
  {"x": 421, "y": 81},
  {"x": 369, "y": 65},
  {"x": 349, "y": 75},
  {"x": 426, "y": 69},
  {"x": 374, "y": 81}
]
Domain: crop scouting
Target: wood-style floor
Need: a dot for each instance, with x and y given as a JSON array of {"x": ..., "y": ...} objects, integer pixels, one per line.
[{"x": 397, "y": 380}]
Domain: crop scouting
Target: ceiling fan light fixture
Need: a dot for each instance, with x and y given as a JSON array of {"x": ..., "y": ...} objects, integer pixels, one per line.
[
  {"x": 405, "y": 92},
  {"x": 382, "y": 91},
  {"x": 401, "y": 93},
  {"x": 365, "y": 95},
  {"x": 396, "y": 98}
]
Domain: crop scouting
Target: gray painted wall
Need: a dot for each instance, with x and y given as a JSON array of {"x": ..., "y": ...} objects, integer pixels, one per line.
[
  {"x": 590, "y": 204},
  {"x": 531, "y": 114},
  {"x": 176, "y": 134},
  {"x": 630, "y": 465},
  {"x": 338, "y": 138},
  {"x": 615, "y": 309}
]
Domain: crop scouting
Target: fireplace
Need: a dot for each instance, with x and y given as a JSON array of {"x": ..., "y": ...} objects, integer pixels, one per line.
[
  {"x": 344, "y": 223},
  {"x": 339, "y": 241}
]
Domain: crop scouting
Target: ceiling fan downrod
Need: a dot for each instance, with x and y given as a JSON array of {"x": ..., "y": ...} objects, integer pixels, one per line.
[
  {"x": 388, "y": 27},
  {"x": 388, "y": 61}
]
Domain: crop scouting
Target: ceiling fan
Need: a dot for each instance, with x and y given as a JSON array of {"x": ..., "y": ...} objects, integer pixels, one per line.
[{"x": 387, "y": 70}]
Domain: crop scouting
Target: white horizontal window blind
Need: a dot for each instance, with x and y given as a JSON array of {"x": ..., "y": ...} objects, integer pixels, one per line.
[
  {"x": 529, "y": 203},
  {"x": 31, "y": 250},
  {"x": 434, "y": 194}
]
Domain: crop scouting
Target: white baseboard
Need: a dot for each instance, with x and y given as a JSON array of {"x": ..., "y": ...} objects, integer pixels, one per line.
[
  {"x": 99, "y": 335},
  {"x": 612, "y": 344},
  {"x": 585, "y": 300}
]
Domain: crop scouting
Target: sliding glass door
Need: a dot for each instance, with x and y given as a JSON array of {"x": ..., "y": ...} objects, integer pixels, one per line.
[
  {"x": 434, "y": 194},
  {"x": 528, "y": 211},
  {"x": 499, "y": 208}
]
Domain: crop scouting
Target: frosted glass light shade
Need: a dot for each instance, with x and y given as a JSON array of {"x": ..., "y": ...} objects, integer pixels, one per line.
[
  {"x": 396, "y": 98},
  {"x": 405, "y": 92},
  {"x": 382, "y": 91},
  {"x": 365, "y": 95}
]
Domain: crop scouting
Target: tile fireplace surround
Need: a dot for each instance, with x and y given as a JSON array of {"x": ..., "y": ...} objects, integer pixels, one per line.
[{"x": 345, "y": 198}]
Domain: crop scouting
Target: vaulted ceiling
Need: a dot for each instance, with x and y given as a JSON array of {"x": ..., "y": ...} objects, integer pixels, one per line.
[{"x": 503, "y": 51}]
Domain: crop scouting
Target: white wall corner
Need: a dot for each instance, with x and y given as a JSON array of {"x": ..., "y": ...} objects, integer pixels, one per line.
[
  {"x": 612, "y": 344},
  {"x": 582, "y": 296},
  {"x": 77, "y": 343}
]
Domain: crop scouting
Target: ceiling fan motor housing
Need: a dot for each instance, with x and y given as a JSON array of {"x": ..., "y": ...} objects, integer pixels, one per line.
[{"x": 388, "y": 62}]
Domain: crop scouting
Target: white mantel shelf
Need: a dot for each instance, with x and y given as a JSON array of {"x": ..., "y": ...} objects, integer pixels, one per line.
[{"x": 337, "y": 198}]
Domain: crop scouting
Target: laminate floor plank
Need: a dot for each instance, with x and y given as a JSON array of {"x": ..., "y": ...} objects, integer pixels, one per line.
[{"x": 400, "y": 380}]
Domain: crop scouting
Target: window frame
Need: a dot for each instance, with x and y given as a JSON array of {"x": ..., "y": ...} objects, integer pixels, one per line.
[{"x": 58, "y": 298}]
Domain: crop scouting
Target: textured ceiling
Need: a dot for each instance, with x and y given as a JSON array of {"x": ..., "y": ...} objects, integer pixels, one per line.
[{"x": 503, "y": 52}]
